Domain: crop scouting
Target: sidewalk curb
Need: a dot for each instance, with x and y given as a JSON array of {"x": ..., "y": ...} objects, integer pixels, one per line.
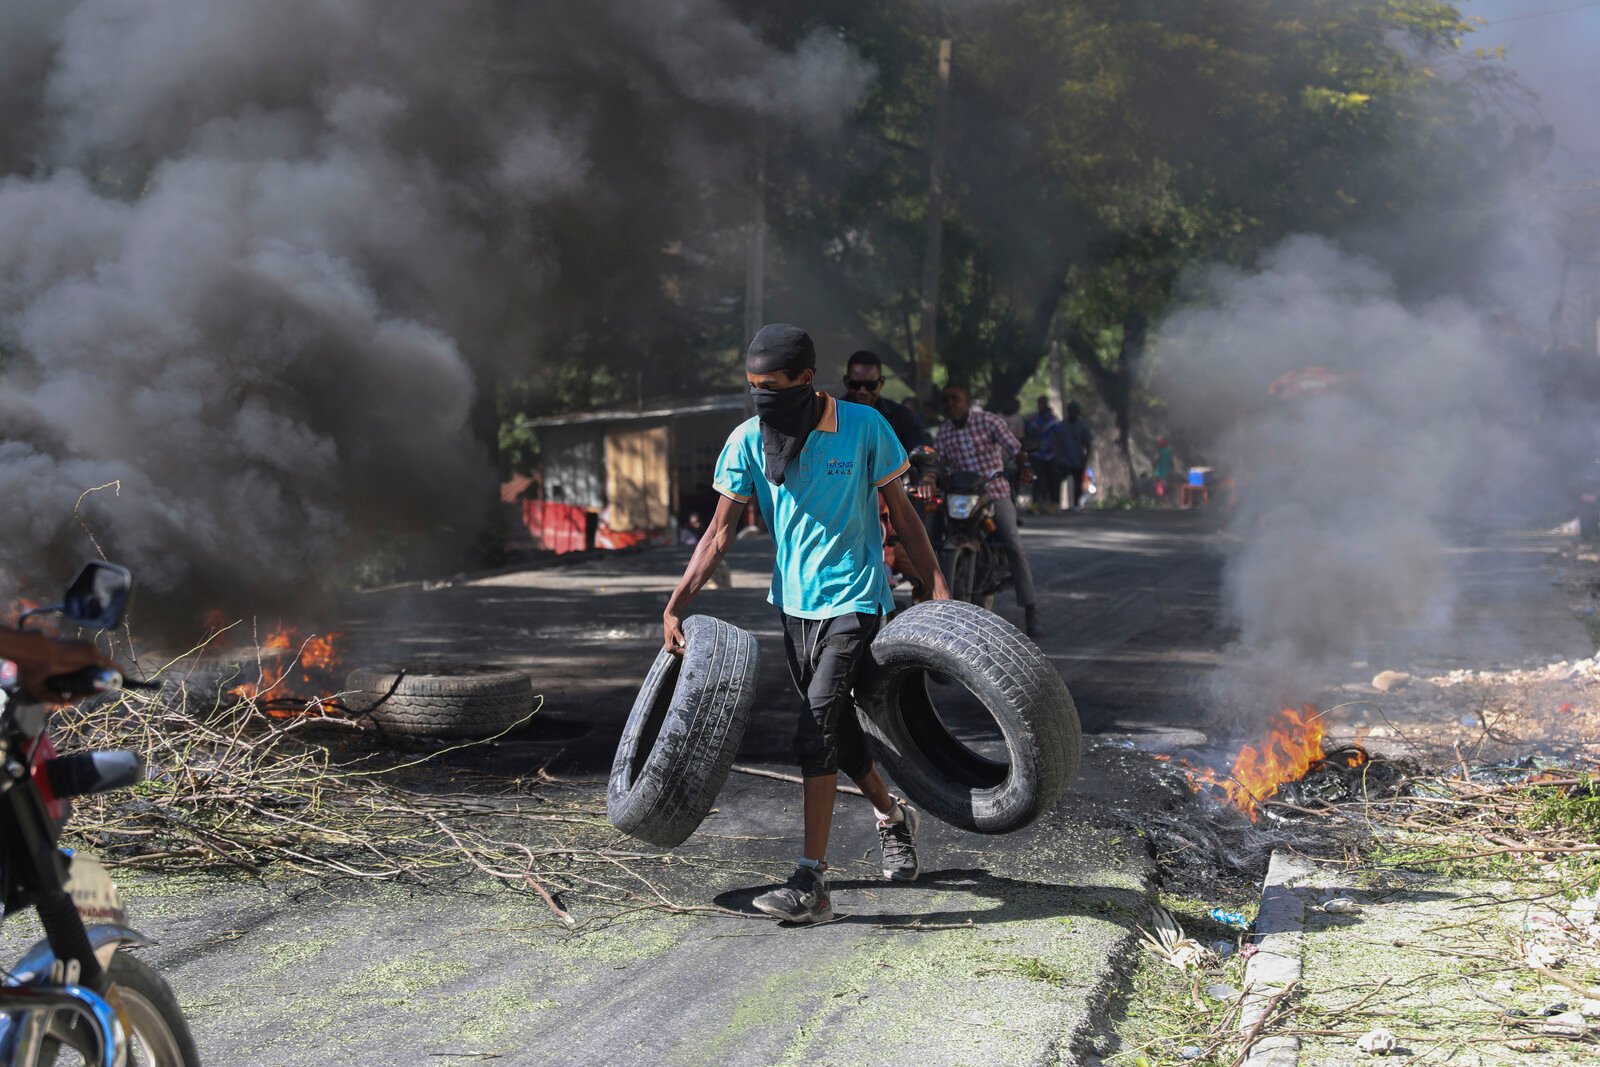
[{"x": 1278, "y": 958}]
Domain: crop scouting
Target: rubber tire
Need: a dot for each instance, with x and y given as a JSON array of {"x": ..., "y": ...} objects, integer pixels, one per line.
[
  {"x": 148, "y": 1000},
  {"x": 683, "y": 732},
  {"x": 438, "y": 701},
  {"x": 1017, "y": 684}
]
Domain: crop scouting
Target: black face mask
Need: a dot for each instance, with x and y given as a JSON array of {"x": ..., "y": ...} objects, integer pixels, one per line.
[{"x": 787, "y": 418}]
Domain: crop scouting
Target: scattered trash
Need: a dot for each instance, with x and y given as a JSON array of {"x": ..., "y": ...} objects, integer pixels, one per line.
[
  {"x": 1556, "y": 1009},
  {"x": 1221, "y": 991},
  {"x": 1171, "y": 944},
  {"x": 1538, "y": 955},
  {"x": 1379, "y": 1042},
  {"x": 1230, "y": 918},
  {"x": 1248, "y": 949},
  {"x": 1223, "y": 949},
  {"x": 1348, "y": 772},
  {"x": 1390, "y": 680},
  {"x": 1191, "y": 1052},
  {"x": 1567, "y": 1024},
  {"x": 1469, "y": 720},
  {"x": 1341, "y": 906}
]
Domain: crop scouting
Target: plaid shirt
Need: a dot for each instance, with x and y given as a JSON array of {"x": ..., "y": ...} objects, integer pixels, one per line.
[{"x": 983, "y": 445}]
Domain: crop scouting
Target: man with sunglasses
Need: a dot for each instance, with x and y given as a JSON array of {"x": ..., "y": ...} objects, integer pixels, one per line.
[{"x": 863, "y": 384}]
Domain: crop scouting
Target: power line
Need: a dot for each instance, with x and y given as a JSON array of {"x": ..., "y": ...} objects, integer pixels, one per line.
[{"x": 1543, "y": 14}]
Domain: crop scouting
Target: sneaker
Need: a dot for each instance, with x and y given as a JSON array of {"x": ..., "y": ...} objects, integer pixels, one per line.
[
  {"x": 899, "y": 844},
  {"x": 803, "y": 898}
]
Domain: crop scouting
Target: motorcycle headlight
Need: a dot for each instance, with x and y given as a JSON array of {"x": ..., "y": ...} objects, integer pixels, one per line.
[{"x": 961, "y": 505}]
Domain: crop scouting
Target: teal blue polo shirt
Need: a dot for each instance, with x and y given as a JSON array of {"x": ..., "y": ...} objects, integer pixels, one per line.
[{"x": 824, "y": 517}]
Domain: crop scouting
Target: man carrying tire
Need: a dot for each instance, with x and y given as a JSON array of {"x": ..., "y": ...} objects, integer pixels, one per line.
[{"x": 817, "y": 467}]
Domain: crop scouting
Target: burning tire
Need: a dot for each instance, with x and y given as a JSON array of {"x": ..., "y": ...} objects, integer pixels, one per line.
[
  {"x": 445, "y": 702},
  {"x": 1018, "y": 687},
  {"x": 682, "y": 733}
]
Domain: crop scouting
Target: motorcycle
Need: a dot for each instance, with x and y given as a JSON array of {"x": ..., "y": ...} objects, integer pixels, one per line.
[
  {"x": 975, "y": 567},
  {"x": 923, "y": 460},
  {"x": 77, "y": 990}
]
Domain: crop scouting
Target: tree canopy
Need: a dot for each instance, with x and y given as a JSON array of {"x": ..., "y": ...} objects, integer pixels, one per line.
[{"x": 1095, "y": 149}]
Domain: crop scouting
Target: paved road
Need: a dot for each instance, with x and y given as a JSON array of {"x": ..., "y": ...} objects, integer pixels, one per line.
[{"x": 1004, "y": 954}]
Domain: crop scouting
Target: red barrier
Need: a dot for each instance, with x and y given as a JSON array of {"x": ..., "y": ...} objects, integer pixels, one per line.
[{"x": 557, "y": 527}]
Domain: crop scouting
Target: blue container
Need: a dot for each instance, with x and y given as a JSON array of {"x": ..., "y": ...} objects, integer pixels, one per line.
[{"x": 1197, "y": 476}]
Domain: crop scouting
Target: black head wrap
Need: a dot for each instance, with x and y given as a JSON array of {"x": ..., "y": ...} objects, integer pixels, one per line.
[
  {"x": 780, "y": 347},
  {"x": 787, "y": 415}
]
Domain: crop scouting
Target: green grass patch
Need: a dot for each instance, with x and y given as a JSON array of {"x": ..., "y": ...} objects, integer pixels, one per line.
[{"x": 1575, "y": 808}]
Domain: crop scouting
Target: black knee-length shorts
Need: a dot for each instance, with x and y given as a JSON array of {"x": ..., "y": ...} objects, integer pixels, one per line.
[{"x": 825, "y": 658}]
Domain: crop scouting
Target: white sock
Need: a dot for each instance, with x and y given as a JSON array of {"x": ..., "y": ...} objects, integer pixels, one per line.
[{"x": 895, "y": 817}]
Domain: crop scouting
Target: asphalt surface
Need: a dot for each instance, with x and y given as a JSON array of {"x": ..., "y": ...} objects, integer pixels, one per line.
[{"x": 1006, "y": 952}]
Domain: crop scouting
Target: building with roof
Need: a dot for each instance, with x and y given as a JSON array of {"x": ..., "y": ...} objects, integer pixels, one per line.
[{"x": 626, "y": 476}]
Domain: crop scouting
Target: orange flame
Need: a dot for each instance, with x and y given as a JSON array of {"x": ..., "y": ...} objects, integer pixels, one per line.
[
  {"x": 294, "y": 671},
  {"x": 1294, "y": 744}
]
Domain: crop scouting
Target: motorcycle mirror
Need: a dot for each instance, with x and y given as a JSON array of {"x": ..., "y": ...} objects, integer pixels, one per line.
[{"x": 98, "y": 596}]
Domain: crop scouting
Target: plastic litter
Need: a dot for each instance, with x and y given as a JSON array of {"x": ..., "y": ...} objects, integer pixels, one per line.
[
  {"x": 1221, "y": 991},
  {"x": 1469, "y": 720},
  {"x": 1248, "y": 949},
  {"x": 1379, "y": 1042},
  {"x": 1567, "y": 1024},
  {"x": 1538, "y": 955},
  {"x": 1170, "y": 942},
  {"x": 1223, "y": 949},
  {"x": 1191, "y": 1052},
  {"x": 1341, "y": 906},
  {"x": 1229, "y": 918}
]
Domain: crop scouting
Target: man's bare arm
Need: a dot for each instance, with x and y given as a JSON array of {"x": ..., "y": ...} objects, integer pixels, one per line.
[
  {"x": 708, "y": 554},
  {"x": 908, "y": 524}
]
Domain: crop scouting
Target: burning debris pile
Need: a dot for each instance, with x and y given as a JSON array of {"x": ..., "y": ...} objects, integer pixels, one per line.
[
  {"x": 296, "y": 675},
  {"x": 239, "y": 777},
  {"x": 1294, "y": 770}
]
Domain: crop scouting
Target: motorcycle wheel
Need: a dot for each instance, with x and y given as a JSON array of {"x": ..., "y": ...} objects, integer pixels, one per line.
[
  {"x": 983, "y": 577},
  {"x": 963, "y": 574},
  {"x": 158, "y": 1034}
]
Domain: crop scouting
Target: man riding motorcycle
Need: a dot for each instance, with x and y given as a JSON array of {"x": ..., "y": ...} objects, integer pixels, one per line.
[{"x": 973, "y": 440}]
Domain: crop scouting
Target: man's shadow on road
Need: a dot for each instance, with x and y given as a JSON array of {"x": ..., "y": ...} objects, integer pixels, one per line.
[{"x": 1015, "y": 900}]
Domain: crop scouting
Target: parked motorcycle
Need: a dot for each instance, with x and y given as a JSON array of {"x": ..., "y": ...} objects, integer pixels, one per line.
[
  {"x": 76, "y": 992},
  {"x": 974, "y": 565}
]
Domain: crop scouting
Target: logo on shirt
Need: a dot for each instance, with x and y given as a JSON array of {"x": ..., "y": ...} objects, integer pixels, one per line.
[{"x": 844, "y": 467}]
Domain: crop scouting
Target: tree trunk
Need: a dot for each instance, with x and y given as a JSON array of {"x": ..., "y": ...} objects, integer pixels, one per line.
[{"x": 928, "y": 326}]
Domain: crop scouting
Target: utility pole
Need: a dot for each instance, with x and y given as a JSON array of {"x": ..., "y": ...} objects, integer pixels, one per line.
[
  {"x": 755, "y": 271},
  {"x": 928, "y": 324}
]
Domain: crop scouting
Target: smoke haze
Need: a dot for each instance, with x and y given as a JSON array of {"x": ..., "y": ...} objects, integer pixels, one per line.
[
  {"x": 256, "y": 258},
  {"x": 1429, "y": 425}
]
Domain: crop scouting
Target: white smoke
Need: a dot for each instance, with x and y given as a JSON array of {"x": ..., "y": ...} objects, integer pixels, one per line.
[{"x": 1352, "y": 483}]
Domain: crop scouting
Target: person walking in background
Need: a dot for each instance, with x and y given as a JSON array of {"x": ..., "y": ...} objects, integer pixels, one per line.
[
  {"x": 1074, "y": 449},
  {"x": 1040, "y": 434},
  {"x": 1011, "y": 411},
  {"x": 1164, "y": 464},
  {"x": 973, "y": 440}
]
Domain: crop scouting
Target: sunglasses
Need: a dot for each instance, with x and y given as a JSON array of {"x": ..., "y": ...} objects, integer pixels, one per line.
[{"x": 857, "y": 383}]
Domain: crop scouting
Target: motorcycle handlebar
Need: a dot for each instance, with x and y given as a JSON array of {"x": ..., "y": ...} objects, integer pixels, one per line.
[{"x": 58, "y": 668}]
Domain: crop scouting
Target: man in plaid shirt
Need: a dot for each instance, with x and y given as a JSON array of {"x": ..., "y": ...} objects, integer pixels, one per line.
[{"x": 981, "y": 441}]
